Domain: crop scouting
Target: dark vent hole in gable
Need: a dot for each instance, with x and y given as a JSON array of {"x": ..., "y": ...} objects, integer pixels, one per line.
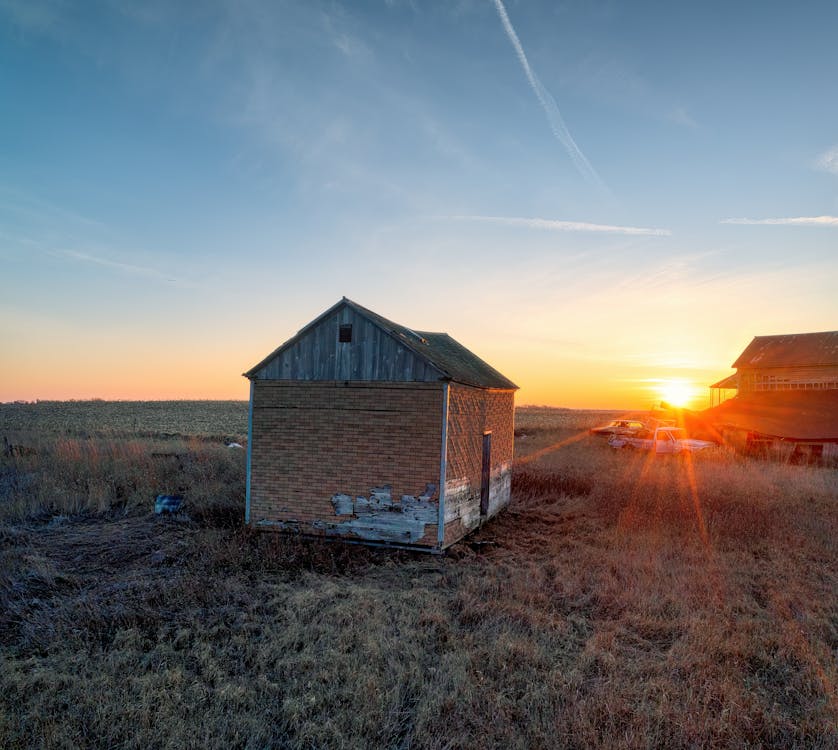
[{"x": 345, "y": 334}]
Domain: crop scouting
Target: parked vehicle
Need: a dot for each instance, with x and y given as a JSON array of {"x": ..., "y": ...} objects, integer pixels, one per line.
[
  {"x": 632, "y": 427},
  {"x": 664, "y": 440}
]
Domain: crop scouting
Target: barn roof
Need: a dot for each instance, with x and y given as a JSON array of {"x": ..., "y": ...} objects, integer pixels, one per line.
[
  {"x": 451, "y": 358},
  {"x": 791, "y": 350},
  {"x": 795, "y": 415},
  {"x": 460, "y": 364}
]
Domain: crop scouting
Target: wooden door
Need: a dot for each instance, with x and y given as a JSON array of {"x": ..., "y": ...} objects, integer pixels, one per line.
[{"x": 486, "y": 473}]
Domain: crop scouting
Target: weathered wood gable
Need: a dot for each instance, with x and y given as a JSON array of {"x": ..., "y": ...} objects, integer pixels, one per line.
[{"x": 316, "y": 353}]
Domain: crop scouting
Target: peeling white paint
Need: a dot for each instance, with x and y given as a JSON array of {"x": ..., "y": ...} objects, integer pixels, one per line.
[
  {"x": 342, "y": 504},
  {"x": 381, "y": 528},
  {"x": 383, "y": 494},
  {"x": 457, "y": 492},
  {"x": 380, "y": 518},
  {"x": 426, "y": 496},
  {"x": 500, "y": 488},
  {"x": 462, "y": 498}
]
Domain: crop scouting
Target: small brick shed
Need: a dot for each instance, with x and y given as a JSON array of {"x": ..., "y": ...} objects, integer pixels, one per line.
[{"x": 365, "y": 429}]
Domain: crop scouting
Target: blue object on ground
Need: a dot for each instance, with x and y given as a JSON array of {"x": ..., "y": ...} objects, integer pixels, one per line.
[{"x": 168, "y": 504}]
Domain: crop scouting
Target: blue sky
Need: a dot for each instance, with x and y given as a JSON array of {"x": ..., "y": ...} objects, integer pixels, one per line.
[{"x": 592, "y": 196}]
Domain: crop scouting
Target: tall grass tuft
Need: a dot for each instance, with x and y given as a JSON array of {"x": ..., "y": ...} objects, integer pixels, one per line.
[{"x": 70, "y": 476}]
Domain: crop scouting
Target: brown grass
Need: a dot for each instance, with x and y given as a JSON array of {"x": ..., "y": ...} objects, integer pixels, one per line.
[
  {"x": 216, "y": 419},
  {"x": 621, "y": 601}
]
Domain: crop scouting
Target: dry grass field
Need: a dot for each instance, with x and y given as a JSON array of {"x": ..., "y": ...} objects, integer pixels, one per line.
[
  {"x": 622, "y": 601},
  {"x": 167, "y": 419}
]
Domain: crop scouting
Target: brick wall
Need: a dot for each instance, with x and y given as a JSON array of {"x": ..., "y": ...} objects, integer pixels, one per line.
[
  {"x": 313, "y": 440},
  {"x": 471, "y": 412}
]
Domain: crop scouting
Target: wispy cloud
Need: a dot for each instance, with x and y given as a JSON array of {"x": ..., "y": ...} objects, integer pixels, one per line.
[
  {"x": 564, "y": 226},
  {"x": 828, "y": 160},
  {"x": 14, "y": 201},
  {"x": 37, "y": 225},
  {"x": 794, "y": 221},
  {"x": 548, "y": 104},
  {"x": 77, "y": 256},
  {"x": 128, "y": 268},
  {"x": 680, "y": 116}
]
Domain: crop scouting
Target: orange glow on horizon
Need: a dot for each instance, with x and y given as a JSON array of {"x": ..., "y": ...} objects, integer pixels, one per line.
[
  {"x": 213, "y": 378},
  {"x": 165, "y": 364}
]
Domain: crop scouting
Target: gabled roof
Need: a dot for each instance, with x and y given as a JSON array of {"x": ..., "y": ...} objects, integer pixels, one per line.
[
  {"x": 445, "y": 353},
  {"x": 791, "y": 350},
  {"x": 439, "y": 350},
  {"x": 794, "y": 415},
  {"x": 731, "y": 381}
]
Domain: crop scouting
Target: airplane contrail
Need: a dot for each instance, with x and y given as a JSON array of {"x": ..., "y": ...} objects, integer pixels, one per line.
[
  {"x": 794, "y": 221},
  {"x": 548, "y": 104}
]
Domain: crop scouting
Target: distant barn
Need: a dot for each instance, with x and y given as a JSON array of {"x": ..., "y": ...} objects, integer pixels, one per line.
[
  {"x": 367, "y": 430},
  {"x": 787, "y": 397}
]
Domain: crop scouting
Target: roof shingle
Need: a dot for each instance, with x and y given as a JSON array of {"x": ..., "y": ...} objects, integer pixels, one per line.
[
  {"x": 443, "y": 352},
  {"x": 791, "y": 349}
]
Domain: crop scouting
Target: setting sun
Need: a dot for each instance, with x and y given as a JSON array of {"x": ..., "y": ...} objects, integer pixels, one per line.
[{"x": 677, "y": 393}]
